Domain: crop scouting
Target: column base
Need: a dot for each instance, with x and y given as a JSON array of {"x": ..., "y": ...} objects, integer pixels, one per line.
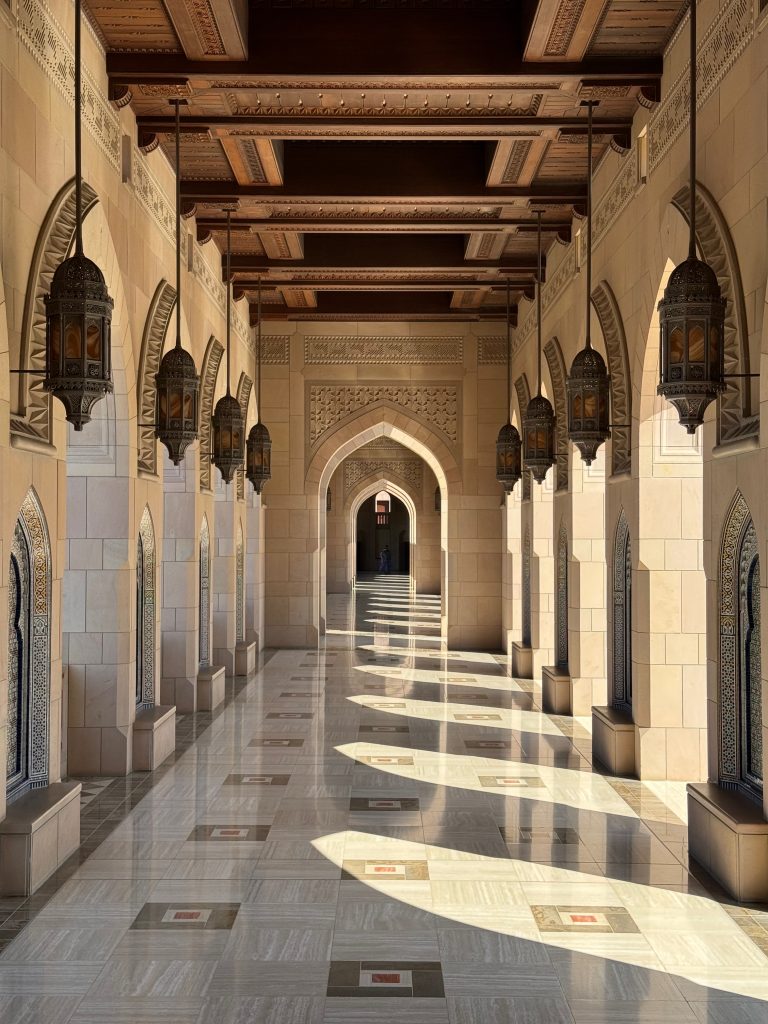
[
  {"x": 182, "y": 693},
  {"x": 556, "y": 692},
  {"x": 154, "y": 737},
  {"x": 226, "y": 658},
  {"x": 522, "y": 660},
  {"x": 613, "y": 740},
  {"x": 245, "y": 659},
  {"x": 210, "y": 687},
  {"x": 39, "y": 832},
  {"x": 728, "y": 836}
]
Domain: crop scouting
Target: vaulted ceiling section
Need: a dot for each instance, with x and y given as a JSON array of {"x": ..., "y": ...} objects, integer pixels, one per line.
[{"x": 384, "y": 158}]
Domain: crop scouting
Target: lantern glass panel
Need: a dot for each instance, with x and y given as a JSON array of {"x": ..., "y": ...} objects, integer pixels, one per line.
[
  {"x": 590, "y": 405},
  {"x": 236, "y": 439},
  {"x": 72, "y": 339},
  {"x": 714, "y": 350},
  {"x": 189, "y": 406},
  {"x": 55, "y": 336},
  {"x": 577, "y": 406},
  {"x": 93, "y": 340},
  {"x": 696, "y": 343},
  {"x": 676, "y": 345}
]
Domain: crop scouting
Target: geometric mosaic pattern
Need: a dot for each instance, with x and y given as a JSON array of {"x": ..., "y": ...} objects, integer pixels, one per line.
[
  {"x": 145, "y": 611},
  {"x": 622, "y": 616},
  {"x": 204, "y": 634}
]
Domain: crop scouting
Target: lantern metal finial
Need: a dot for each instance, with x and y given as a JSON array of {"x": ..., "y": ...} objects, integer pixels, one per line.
[
  {"x": 539, "y": 419},
  {"x": 508, "y": 444},
  {"x": 588, "y": 384},
  {"x": 259, "y": 447},
  {"x": 177, "y": 382},
  {"x": 692, "y": 311},
  {"x": 227, "y": 420},
  {"x": 78, "y": 310}
]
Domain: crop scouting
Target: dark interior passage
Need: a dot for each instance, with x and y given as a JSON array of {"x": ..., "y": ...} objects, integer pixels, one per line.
[{"x": 383, "y": 523}]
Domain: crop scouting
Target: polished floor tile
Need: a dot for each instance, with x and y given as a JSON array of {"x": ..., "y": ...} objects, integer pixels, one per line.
[{"x": 376, "y": 831}]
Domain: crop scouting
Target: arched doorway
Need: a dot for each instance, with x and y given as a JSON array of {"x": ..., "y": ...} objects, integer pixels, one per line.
[{"x": 382, "y": 535}]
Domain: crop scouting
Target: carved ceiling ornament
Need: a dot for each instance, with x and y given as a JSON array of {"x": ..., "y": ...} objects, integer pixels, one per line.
[
  {"x": 155, "y": 331},
  {"x": 329, "y": 404},
  {"x": 564, "y": 27},
  {"x": 342, "y": 350}
]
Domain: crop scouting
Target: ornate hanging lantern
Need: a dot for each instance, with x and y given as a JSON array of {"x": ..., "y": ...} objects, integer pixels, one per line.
[
  {"x": 227, "y": 420},
  {"x": 259, "y": 450},
  {"x": 508, "y": 444},
  {"x": 177, "y": 382},
  {"x": 588, "y": 384},
  {"x": 692, "y": 312},
  {"x": 78, "y": 310},
  {"x": 539, "y": 419}
]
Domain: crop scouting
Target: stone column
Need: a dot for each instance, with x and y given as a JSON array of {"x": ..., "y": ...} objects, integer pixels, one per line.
[
  {"x": 223, "y": 576},
  {"x": 542, "y": 575},
  {"x": 254, "y": 562}
]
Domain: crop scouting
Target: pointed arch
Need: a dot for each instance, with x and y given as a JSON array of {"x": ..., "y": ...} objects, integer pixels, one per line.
[
  {"x": 621, "y": 693},
  {"x": 740, "y": 751},
  {"x": 155, "y": 331},
  {"x": 561, "y": 599},
  {"x": 735, "y": 413},
  {"x": 612, "y": 326},
  {"x": 29, "y": 649},
  {"x": 31, "y": 409},
  {"x": 145, "y": 610},
  {"x": 204, "y": 605},
  {"x": 210, "y": 371},
  {"x": 557, "y": 374}
]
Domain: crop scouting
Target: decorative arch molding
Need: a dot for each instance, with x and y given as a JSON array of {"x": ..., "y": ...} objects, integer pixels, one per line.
[
  {"x": 612, "y": 326},
  {"x": 388, "y": 480},
  {"x": 240, "y": 584},
  {"x": 210, "y": 371},
  {"x": 738, "y": 705},
  {"x": 526, "y": 589},
  {"x": 29, "y": 687},
  {"x": 146, "y": 604},
  {"x": 523, "y": 392},
  {"x": 155, "y": 331},
  {"x": 204, "y": 624},
  {"x": 561, "y": 598},
  {"x": 735, "y": 418},
  {"x": 557, "y": 374},
  {"x": 621, "y": 693},
  {"x": 32, "y": 416},
  {"x": 244, "y": 388}
]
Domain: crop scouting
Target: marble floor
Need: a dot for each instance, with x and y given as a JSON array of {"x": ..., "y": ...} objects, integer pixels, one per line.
[{"x": 381, "y": 831}]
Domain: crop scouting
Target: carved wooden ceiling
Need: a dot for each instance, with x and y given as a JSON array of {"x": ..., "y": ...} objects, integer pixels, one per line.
[{"x": 383, "y": 158}]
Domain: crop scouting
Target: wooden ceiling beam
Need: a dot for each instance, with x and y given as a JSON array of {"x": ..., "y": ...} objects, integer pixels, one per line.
[
  {"x": 211, "y": 32},
  {"x": 366, "y": 284},
  {"x": 549, "y": 193},
  {"x": 447, "y": 224},
  {"x": 563, "y": 29}
]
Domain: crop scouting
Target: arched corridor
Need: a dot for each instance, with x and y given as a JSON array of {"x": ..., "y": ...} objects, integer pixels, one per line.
[{"x": 383, "y": 519}]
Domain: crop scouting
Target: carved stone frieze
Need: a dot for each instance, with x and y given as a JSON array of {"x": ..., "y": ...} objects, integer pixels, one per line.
[
  {"x": 409, "y": 470},
  {"x": 491, "y": 350},
  {"x": 345, "y": 350},
  {"x": 437, "y": 405},
  {"x": 155, "y": 330}
]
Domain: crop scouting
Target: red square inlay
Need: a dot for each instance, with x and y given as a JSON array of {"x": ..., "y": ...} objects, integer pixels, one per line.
[
  {"x": 385, "y": 979},
  {"x": 385, "y": 869},
  {"x": 583, "y": 918},
  {"x": 230, "y": 831},
  {"x": 187, "y": 915}
]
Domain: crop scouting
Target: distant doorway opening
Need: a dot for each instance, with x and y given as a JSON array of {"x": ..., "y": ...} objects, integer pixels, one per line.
[{"x": 383, "y": 533}]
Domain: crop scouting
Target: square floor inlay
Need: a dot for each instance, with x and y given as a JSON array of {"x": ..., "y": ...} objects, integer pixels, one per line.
[
  {"x": 584, "y": 919},
  {"x": 477, "y": 718},
  {"x": 299, "y": 693},
  {"x": 486, "y": 744},
  {"x": 385, "y": 870},
  {"x": 385, "y": 759},
  {"x": 417, "y": 980},
  {"x": 185, "y": 916},
  {"x": 385, "y": 705},
  {"x": 229, "y": 834},
  {"x": 275, "y": 741},
  {"x": 358, "y": 803},
  {"x": 534, "y": 834},
  {"x": 384, "y": 728},
  {"x": 236, "y": 779},
  {"x": 290, "y": 714},
  {"x": 510, "y": 781}
]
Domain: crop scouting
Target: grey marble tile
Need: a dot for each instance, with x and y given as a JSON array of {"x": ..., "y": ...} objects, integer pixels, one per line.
[
  {"x": 137, "y": 1011},
  {"x": 502, "y": 979},
  {"x": 39, "y": 943},
  {"x": 126, "y": 977},
  {"x": 38, "y": 979},
  {"x": 251, "y": 978},
  {"x": 37, "y": 1009},
  {"x": 477, "y": 1010},
  {"x": 608, "y": 1011},
  {"x": 273, "y": 942},
  {"x": 290, "y": 1009},
  {"x": 385, "y": 1010}
]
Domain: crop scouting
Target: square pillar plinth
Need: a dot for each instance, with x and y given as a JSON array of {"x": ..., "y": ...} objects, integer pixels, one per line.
[
  {"x": 210, "y": 687},
  {"x": 37, "y": 835},
  {"x": 556, "y": 690},
  {"x": 154, "y": 737},
  {"x": 728, "y": 836},
  {"x": 245, "y": 659},
  {"x": 613, "y": 740},
  {"x": 522, "y": 661}
]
